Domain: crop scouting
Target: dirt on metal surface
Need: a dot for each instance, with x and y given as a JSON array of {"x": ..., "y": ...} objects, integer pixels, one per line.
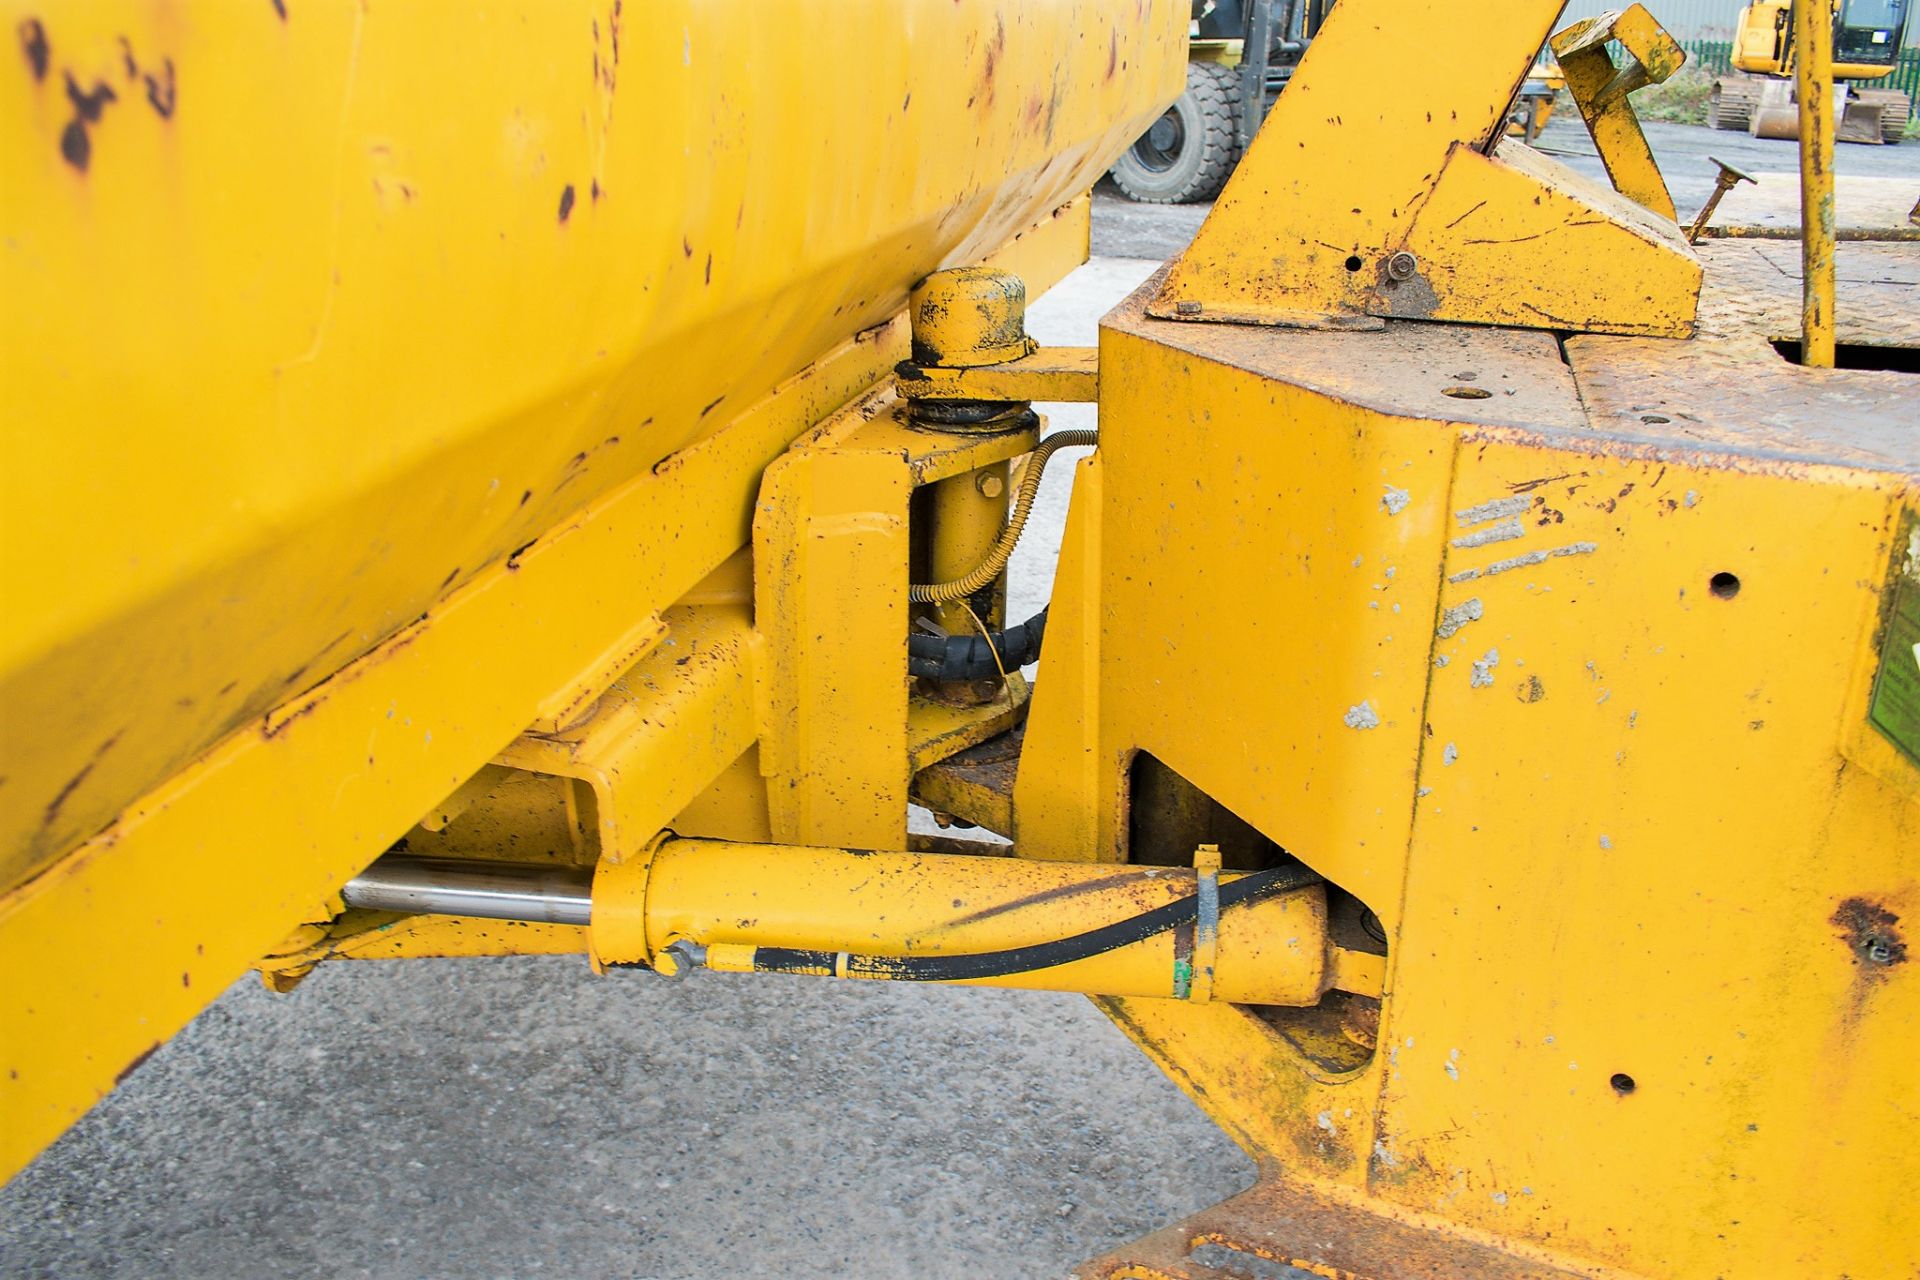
[
  {"x": 1740, "y": 394},
  {"x": 1278, "y": 1232}
]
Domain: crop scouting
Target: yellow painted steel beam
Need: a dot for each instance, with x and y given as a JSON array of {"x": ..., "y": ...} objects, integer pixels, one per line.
[
  {"x": 1813, "y": 85},
  {"x": 1054, "y": 374},
  {"x": 116, "y": 946},
  {"x": 669, "y": 726},
  {"x": 843, "y": 732}
]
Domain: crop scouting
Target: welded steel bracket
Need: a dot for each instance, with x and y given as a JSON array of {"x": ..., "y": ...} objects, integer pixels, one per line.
[
  {"x": 1354, "y": 206},
  {"x": 1055, "y": 374},
  {"x": 1600, "y": 90}
]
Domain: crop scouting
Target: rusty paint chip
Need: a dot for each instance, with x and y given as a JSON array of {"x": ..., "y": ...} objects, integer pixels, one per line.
[
  {"x": 33, "y": 43},
  {"x": 160, "y": 90},
  {"x": 1871, "y": 932}
]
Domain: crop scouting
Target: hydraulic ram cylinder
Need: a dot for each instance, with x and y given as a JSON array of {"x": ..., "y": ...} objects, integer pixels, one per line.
[{"x": 1103, "y": 929}]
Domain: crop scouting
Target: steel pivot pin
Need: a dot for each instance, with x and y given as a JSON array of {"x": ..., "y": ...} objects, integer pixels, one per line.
[{"x": 1728, "y": 179}]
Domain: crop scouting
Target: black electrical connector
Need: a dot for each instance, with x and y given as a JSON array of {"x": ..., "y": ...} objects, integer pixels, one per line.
[{"x": 972, "y": 656}]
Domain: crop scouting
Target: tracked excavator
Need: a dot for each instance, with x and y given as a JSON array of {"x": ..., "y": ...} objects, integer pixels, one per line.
[{"x": 1868, "y": 36}]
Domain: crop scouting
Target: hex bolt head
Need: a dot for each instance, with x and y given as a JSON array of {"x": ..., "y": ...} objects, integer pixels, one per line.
[
  {"x": 1402, "y": 266},
  {"x": 991, "y": 484}
]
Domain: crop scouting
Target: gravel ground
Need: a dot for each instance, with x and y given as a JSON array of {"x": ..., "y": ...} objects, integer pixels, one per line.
[{"x": 518, "y": 1116}]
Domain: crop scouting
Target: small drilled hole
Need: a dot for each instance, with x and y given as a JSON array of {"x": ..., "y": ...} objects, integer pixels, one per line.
[
  {"x": 1354, "y": 263},
  {"x": 1622, "y": 1083},
  {"x": 1724, "y": 585},
  {"x": 1467, "y": 393}
]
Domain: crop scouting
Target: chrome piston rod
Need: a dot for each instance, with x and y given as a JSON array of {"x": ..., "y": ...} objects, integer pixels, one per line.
[{"x": 540, "y": 892}]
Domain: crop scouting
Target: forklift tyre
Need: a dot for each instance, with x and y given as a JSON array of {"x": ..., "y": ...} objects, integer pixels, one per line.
[{"x": 1189, "y": 151}]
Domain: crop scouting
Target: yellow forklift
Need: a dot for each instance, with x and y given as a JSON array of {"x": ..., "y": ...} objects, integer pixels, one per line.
[
  {"x": 1867, "y": 37},
  {"x": 1240, "y": 55}
]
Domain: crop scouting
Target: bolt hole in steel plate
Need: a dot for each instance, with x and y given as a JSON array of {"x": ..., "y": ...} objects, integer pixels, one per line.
[
  {"x": 1467, "y": 393},
  {"x": 1623, "y": 1084},
  {"x": 1724, "y": 585},
  {"x": 1354, "y": 263}
]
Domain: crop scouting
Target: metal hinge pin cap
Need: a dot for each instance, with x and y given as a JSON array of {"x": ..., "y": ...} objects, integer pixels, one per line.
[{"x": 680, "y": 958}]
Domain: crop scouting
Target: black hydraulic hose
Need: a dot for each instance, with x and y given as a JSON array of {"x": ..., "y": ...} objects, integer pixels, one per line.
[
  {"x": 1039, "y": 955},
  {"x": 971, "y": 656}
]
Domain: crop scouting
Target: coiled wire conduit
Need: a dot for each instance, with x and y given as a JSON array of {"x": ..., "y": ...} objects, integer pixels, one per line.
[{"x": 996, "y": 561}]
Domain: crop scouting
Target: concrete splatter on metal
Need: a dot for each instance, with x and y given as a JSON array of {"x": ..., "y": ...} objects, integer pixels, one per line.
[
  {"x": 1497, "y": 532},
  {"x": 1361, "y": 717},
  {"x": 1395, "y": 500},
  {"x": 1449, "y": 753},
  {"x": 1482, "y": 675},
  {"x": 1494, "y": 510},
  {"x": 1458, "y": 616},
  {"x": 1522, "y": 561}
]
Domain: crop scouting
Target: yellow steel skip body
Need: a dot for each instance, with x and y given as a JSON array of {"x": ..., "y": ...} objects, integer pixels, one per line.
[
  {"x": 380, "y": 295},
  {"x": 377, "y": 382},
  {"x": 917, "y": 907}
]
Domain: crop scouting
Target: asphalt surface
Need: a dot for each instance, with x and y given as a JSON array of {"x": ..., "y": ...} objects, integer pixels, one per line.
[{"x": 520, "y": 1116}]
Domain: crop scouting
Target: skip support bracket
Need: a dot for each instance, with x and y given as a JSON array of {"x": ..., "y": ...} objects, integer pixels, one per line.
[{"x": 1355, "y": 205}]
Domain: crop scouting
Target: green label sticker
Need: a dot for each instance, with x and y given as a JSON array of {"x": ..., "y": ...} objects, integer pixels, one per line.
[{"x": 1895, "y": 709}]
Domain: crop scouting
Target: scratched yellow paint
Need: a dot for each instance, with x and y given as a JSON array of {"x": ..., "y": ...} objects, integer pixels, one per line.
[{"x": 1695, "y": 1011}]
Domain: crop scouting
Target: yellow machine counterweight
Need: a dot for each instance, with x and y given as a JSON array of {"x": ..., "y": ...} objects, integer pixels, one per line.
[{"x": 1478, "y": 755}]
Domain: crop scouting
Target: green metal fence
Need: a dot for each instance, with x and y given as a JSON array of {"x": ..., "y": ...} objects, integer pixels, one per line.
[{"x": 1716, "y": 56}]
